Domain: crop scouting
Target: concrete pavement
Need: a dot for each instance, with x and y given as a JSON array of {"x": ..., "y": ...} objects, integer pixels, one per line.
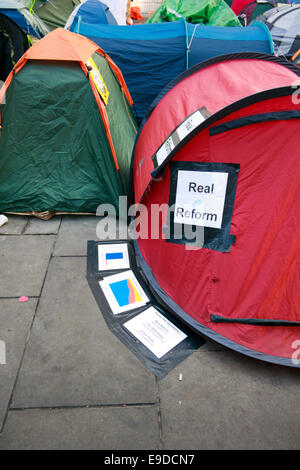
[{"x": 69, "y": 383}]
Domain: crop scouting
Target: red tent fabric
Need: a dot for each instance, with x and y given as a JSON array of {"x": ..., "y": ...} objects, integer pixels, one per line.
[
  {"x": 222, "y": 145},
  {"x": 238, "y": 5}
]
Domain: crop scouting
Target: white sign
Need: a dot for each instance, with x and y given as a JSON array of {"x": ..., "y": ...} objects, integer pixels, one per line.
[
  {"x": 200, "y": 198},
  {"x": 190, "y": 124},
  {"x": 185, "y": 128},
  {"x": 123, "y": 292},
  {"x": 165, "y": 150},
  {"x": 113, "y": 256},
  {"x": 99, "y": 82},
  {"x": 155, "y": 331}
]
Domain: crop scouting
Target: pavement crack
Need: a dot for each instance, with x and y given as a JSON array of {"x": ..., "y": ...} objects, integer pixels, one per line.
[{"x": 80, "y": 407}]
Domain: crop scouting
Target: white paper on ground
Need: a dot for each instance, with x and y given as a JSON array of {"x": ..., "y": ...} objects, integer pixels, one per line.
[
  {"x": 123, "y": 292},
  {"x": 3, "y": 219},
  {"x": 155, "y": 331},
  {"x": 113, "y": 256}
]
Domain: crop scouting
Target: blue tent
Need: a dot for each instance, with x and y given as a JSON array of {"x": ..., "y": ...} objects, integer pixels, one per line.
[
  {"x": 91, "y": 12},
  {"x": 25, "y": 18},
  {"x": 20, "y": 20},
  {"x": 151, "y": 55}
]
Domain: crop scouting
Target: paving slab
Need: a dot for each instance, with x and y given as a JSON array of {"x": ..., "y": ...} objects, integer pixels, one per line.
[
  {"x": 115, "y": 428},
  {"x": 72, "y": 357},
  {"x": 15, "y": 322},
  {"x": 229, "y": 401},
  {"x": 23, "y": 264},
  {"x": 75, "y": 231},
  {"x": 37, "y": 226},
  {"x": 15, "y": 225}
]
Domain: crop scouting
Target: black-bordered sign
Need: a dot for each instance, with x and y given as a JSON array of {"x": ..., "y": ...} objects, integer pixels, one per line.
[{"x": 201, "y": 204}]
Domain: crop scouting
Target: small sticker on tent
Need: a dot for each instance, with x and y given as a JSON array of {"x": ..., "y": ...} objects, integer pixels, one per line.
[
  {"x": 123, "y": 292},
  {"x": 165, "y": 150},
  {"x": 155, "y": 331},
  {"x": 200, "y": 198},
  {"x": 190, "y": 124},
  {"x": 182, "y": 131},
  {"x": 113, "y": 256},
  {"x": 98, "y": 80}
]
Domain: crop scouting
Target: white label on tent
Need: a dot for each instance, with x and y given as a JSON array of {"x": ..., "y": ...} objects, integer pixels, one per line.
[
  {"x": 190, "y": 124},
  {"x": 185, "y": 128},
  {"x": 155, "y": 331},
  {"x": 200, "y": 198},
  {"x": 98, "y": 80},
  {"x": 113, "y": 256},
  {"x": 165, "y": 150},
  {"x": 123, "y": 292}
]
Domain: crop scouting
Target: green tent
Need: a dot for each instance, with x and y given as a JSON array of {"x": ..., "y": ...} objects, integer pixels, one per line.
[
  {"x": 209, "y": 12},
  {"x": 55, "y": 13},
  {"x": 67, "y": 131}
]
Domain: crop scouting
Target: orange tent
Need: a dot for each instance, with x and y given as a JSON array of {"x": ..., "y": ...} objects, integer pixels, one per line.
[{"x": 63, "y": 45}]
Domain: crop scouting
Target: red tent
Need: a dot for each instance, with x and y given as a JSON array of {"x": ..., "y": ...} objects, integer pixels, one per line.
[
  {"x": 219, "y": 154},
  {"x": 238, "y": 5}
]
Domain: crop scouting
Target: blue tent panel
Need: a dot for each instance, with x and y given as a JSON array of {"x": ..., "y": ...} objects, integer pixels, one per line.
[
  {"x": 151, "y": 55},
  {"x": 92, "y": 12},
  {"x": 212, "y": 41},
  {"x": 18, "y": 18}
]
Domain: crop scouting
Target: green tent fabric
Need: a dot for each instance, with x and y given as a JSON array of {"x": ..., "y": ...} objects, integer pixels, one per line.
[
  {"x": 55, "y": 13},
  {"x": 210, "y": 12},
  {"x": 54, "y": 151}
]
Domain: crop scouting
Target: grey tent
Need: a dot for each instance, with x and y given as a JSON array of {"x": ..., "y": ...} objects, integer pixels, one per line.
[
  {"x": 55, "y": 13},
  {"x": 284, "y": 25}
]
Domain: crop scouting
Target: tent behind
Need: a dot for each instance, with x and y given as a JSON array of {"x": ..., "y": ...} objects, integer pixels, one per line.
[
  {"x": 283, "y": 23},
  {"x": 151, "y": 55},
  {"x": 13, "y": 44},
  {"x": 20, "y": 11},
  {"x": 55, "y": 13},
  {"x": 73, "y": 130},
  {"x": 206, "y": 12},
  {"x": 253, "y": 9},
  {"x": 89, "y": 12},
  {"x": 120, "y": 10}
]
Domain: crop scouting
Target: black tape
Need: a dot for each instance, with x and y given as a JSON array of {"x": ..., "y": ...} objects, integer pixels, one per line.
[
  {"x": 160, "y": 367},
  {"x": 253, "y": 321},
  {"x": 254, "y": 119},
  {"x": 211, "y": 238}
]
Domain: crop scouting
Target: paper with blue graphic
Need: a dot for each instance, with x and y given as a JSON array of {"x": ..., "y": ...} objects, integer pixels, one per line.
[{"x": 113, "y": 256}]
